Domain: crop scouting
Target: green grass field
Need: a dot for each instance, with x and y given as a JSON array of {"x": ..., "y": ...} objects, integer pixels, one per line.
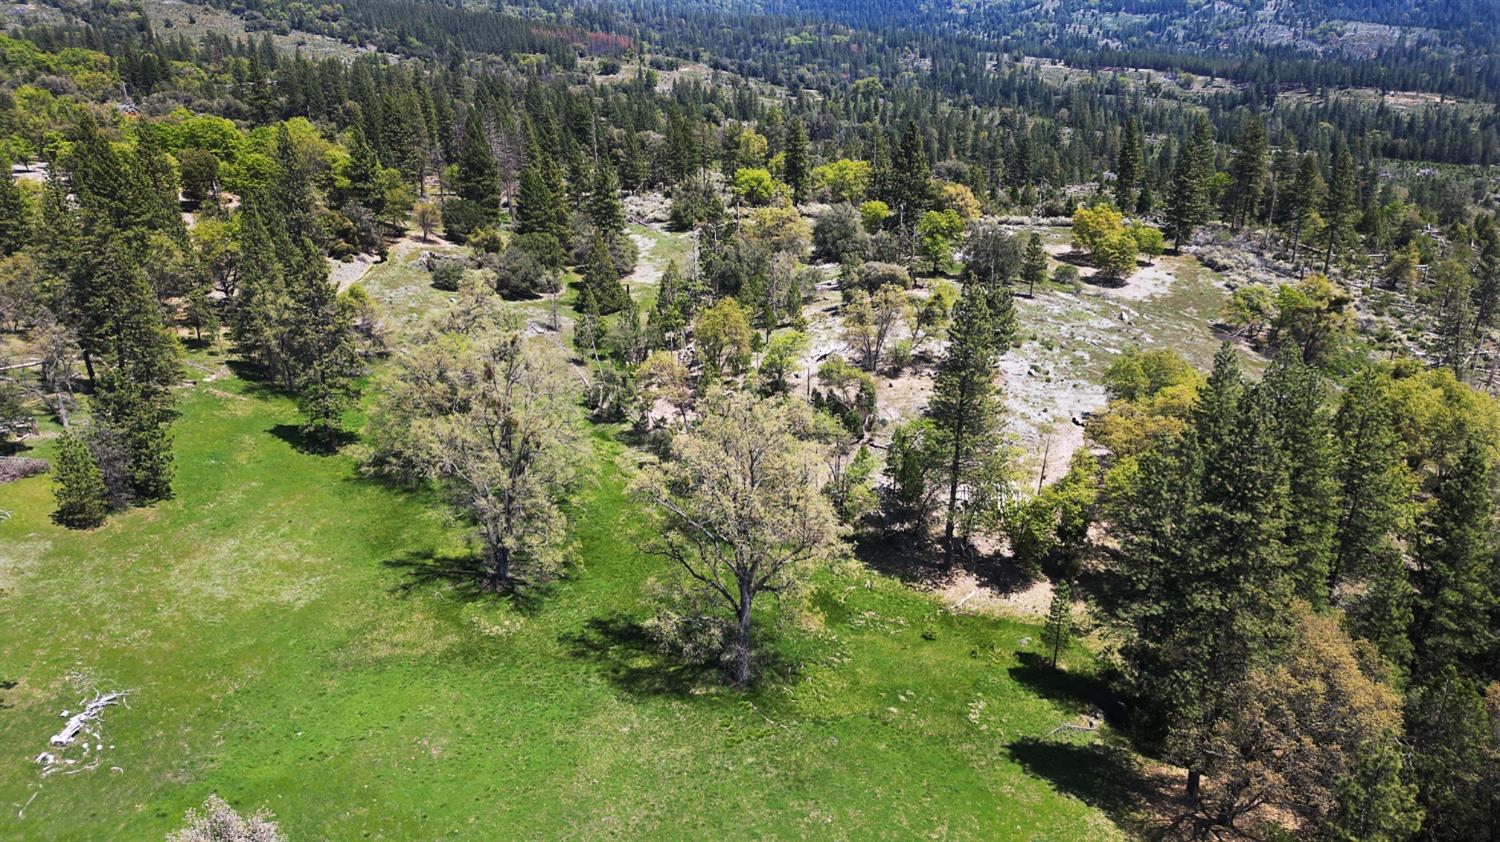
[{"x": 299, "y": 637}]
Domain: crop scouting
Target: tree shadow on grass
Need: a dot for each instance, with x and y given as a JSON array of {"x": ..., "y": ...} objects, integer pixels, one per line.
[
  {"x": 1078, "y": 690},
  {"x": 637, "y": 663},
  {"x": 303, "y": 443},
  {"x": 255, "y": 380},
  {"x": 464, "y": 574},
  {"x": 633, "y": 661},
  {"x": 1106, "y": 777}
]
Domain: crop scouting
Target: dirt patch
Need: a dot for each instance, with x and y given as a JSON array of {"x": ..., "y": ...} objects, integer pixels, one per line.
[{"x": 968, "y": 595}]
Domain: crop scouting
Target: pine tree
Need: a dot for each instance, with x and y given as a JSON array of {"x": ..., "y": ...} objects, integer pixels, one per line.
[
  {"x": 588, "y": 331},
  {"x": 82, "y": 500},
  {"x": 1339, "y": 206},
  {"x": 1373, "y": 483},
  {"x": 668, "y": 319},
  {"x": 478, "y": 178},
  {"x": 15, "y": 225},
  {"x": 600, "y": 277},
  {"x": 1058, "y": 632},
  {"x": 1455, "y": 583},
  {"x": 1295, "y": 393},
  {"x": 1487, "y": 274},
  {"x": 292, "y": 194},
  {"x": 321, "y": 348},
  {"x": 1453, "y": 758},
  {"x": 605, "y": 209},
  {"x": 1034, "y": 266},
  {"x": 1382, "y": 612},
  {"x": 1187, "y": 206},
  {"x": 910, "y": 190},
  {"x": 1304, "y": 197},
  {"x": 1129, "y": 167},
  {"x": 1248, "y": 173},
  {"x": 262, "y": 288},
  {"x": 535, "y": 205},
  {"x": 964, "y": 407},
  {"x": 795, "y": 165},
  {"x": 1204, "y": 576},
  {"x": 364, "y": 172}
]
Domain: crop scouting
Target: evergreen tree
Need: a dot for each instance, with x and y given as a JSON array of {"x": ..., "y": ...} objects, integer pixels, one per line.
[
  {"x": 1058, "y": 632},
  {"x": 1295, "y": 394},
  {"x": 321, "y": 348},
  {"x": 262, "y": 289},
  {"x": 1204, "y": 571},
  {"x": 605, "y": 209},
  {"x": 910, "y": 180},
  {"x": 15, "y": 224},
  {"x": 795, "y": 164},
  {"x": 1187, "y": 206},
  {"x": 1129, "y": 167},
  {"x": 364, "y": 173},
  {"x": 1304, "y": 197},
  {"x": 1455, "y": 580},
  {"x": 1372, "y": 479},
  {"x": 1382, "y": 612},
  {"x": 667, "y": 320},
  {"x": 535, "y": 205},
  {"x": 964, "y": 406},
  {"x": 1339, "y": 206},
  {"x": 1034, "y": 265},
  {"x": 588, "y": 331},
  {"x": 478, "y": 178},
  {"x": 82, "y": 500},
  {"x": 1248, "y": 174},
  {"x": 1486, "y": 274},
  {"x": 292, "y": 194},
  {"x": 1455, "y": 758},
  {"x": 601, "y": 279}
]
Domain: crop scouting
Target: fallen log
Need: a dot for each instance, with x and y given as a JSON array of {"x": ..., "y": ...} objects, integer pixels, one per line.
[{"x": 88, "y": 714}]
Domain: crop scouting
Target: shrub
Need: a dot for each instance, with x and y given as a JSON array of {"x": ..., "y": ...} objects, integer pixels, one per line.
[
  {"x": 216, "y": 821},
  {"x": 839, "y": 233},
  {"x": 82, "y": 500},
  {"x": 463, "y": 216},
  {"x": 447, "y": 274},
  {"x": 544, "y": 247}
]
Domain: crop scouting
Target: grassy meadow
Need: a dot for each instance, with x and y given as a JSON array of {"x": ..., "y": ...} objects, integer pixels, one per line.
[{"x": 296, "y": 636}]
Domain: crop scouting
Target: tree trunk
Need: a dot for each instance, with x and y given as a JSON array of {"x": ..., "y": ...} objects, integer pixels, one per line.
[
  {"x": 742, "y": 655},
  {"x": 1193, "y": 781},
  {"x": 953, "y": 488},
  {"x": 499, "y": 567},
  {"x": 88, "y": 365}
]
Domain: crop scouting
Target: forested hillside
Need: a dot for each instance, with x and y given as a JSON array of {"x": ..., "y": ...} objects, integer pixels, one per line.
[{"x": 989, "y": 420}]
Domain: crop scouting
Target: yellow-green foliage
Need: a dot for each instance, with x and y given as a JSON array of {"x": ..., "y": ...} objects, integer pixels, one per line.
[{"x": 1151, "y": 393}]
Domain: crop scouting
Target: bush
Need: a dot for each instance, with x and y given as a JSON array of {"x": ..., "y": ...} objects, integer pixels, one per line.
[
  {"x": 874, "y": 275},
  {"x": 1148, "y": 240},
  {"x": 544, "y": 247},
  {"x": 216, "y": 821},
  {"x": 80, "y": 493},
  {"x": 447, "y": 274},
  {"x": 487, "y": 240},
  {"x": 461, "y": 217},
  {"x": 1067, "y": 275},
  {"x": 518, "y": 274},
  {"x": 837, "y": 233}
]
